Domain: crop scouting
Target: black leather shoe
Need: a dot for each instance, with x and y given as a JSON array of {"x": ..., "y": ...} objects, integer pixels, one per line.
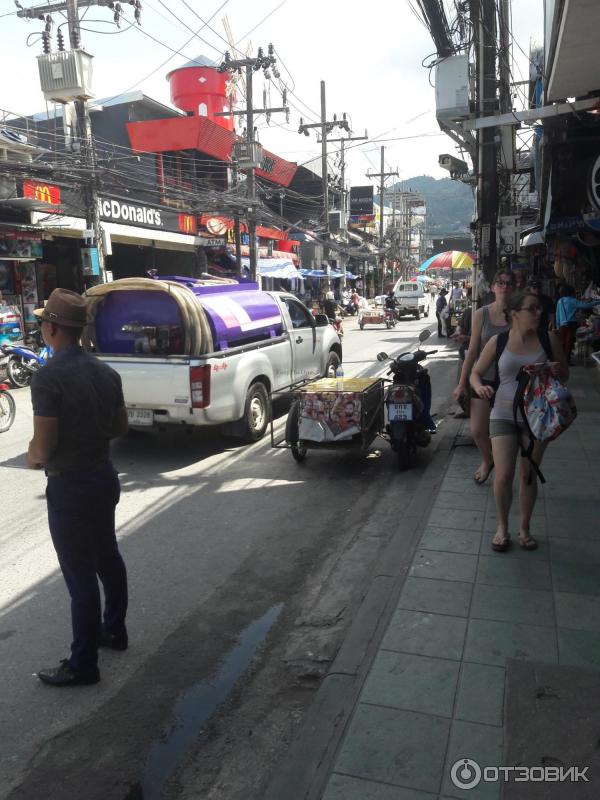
[
  {"x": 63, "y": 675},
  {"x": 114, "y": 641}
]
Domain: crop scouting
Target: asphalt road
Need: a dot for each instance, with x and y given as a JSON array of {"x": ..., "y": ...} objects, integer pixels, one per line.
[{"x": 244, "y": 571}]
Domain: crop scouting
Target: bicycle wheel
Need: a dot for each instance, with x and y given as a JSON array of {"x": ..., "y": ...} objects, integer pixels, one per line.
[{"x": 7, "y": 410}]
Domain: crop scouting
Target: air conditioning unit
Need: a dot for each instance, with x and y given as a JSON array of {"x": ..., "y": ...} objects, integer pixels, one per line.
[{"x": 66, "y": 75}]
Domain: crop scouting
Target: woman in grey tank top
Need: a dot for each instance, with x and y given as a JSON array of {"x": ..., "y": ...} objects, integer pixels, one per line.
[
  {"x": 487, "y": 322},
  {"x": 523, "y": 347}
]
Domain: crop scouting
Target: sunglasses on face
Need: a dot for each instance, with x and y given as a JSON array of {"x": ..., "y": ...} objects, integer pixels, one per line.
[{"x": 533, "y": 309}]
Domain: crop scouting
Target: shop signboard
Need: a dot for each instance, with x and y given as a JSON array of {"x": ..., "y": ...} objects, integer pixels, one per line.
[
  {"x": 126, "y": 212},
  {"x": 20, "y": 247},
  {"x": 361, "y": 204},
  {"x": 43, "y": 192}
]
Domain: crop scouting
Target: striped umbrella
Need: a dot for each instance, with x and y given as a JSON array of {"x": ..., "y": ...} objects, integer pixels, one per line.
[{"x": 451, "y": 259}]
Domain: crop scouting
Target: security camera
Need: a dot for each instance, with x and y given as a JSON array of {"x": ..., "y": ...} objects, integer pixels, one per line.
[{"x": 455, "y": 166}]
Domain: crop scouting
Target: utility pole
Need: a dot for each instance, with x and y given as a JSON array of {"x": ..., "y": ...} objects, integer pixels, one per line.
[
  {"x": 382, "y": 175},
  {"x": 342, "y": 142},
  {"x": 250, "y": 157},
  {"x": 487, "y": 195},
  {"x": 343, "y": 216},
  {"x": 84, "y": 129},
  {"x": 326, "y": 127}
]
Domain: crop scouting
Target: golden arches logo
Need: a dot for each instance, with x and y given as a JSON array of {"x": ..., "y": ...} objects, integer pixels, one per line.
[
  {"x": 187, "y": 223},
  {"x": 43, "y": 194}
]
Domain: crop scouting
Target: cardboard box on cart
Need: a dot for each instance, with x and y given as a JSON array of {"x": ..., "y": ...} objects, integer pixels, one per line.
[{"x": 331, "y": 414}]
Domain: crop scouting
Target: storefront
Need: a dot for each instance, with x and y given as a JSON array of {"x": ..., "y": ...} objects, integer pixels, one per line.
[
  {"x": 137, "y": 238},
  {"x": 23, "y": 278}
]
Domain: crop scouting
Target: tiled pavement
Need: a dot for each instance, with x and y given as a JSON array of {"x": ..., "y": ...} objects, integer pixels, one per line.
[{"x": 435, "y": 690}]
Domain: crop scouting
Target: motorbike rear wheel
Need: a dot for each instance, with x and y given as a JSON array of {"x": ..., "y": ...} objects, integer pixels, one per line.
[
  {"x": 7, "y": 410},
  {"x": 18, "y": 373}
]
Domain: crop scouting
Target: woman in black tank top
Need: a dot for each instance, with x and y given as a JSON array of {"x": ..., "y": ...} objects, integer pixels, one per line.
[{"x": 487, "y": 322}]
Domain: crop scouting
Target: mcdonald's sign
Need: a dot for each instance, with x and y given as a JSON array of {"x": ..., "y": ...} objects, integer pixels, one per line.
[
  {"x": 188, "y": 224},
  {"x": 44, "y": 192}
]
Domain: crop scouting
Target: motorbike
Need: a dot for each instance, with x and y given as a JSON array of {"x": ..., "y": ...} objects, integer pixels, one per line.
[
  {"x": 408, "y": 403},
  {"x": 7, "y": 408},
  {"x": 390, "y": 318},
  {"x": 24, "y": 361}
]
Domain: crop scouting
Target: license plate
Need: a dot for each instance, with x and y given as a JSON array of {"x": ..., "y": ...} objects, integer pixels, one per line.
[
  {"x": 140, "y": 416},
  {"x": 400, "y": 411}
]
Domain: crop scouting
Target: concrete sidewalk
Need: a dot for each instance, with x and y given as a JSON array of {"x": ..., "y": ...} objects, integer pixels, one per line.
[{"x": 433, "y": 690}]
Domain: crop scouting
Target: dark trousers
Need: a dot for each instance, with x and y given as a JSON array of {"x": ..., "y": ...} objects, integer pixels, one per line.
[
  {"x": 81, "y": 516},
  {"x": 567, "y": 336}
]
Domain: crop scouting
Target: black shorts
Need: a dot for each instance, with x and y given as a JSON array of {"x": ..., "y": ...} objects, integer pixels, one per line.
[{"x": 485, "y": 382}]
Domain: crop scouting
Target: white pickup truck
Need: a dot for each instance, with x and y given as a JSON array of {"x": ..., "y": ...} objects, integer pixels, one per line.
[{"x": 186, "y": 358}]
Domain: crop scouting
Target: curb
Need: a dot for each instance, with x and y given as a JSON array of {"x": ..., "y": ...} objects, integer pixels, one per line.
[{"x": 306, "y": 767}]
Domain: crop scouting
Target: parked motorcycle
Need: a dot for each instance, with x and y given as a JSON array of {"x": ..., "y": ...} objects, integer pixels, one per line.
[
  {"x": 7, "y": 408},
  {"x": 408, "y": 403},
  {"x": 24, "y": 361}
]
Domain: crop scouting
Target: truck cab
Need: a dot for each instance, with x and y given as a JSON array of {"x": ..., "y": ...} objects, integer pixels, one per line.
[{"x": 411, "y": 299}]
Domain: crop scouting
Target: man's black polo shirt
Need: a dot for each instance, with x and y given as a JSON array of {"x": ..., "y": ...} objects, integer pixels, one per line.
[{"x": 84, "y": 394}]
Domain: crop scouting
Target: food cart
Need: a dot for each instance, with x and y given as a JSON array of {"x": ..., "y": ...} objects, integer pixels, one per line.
[
  {"x": 371, "y": 316},
  {"x": 334, "y": 413}
]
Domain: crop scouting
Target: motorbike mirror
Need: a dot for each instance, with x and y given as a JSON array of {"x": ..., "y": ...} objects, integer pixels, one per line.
[
  {"x": 382, "y": 356},
  {"x": 425, "y": 334}
]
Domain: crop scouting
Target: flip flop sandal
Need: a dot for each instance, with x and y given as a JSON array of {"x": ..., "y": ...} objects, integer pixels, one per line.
[
  {"x": 481, "y": 481},
  {"x": 501, "y": 547},
  {"x": 528, "y": 543}
]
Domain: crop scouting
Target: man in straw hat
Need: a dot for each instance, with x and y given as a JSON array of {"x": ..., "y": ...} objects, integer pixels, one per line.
[{"x": 78, "y": 407}]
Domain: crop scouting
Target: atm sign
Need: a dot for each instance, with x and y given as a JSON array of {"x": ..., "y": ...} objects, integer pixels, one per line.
[{"x": 44, "y": 192}]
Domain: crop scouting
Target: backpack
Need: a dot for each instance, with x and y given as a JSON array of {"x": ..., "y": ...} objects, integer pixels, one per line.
[{"x": 542, "y": 403}]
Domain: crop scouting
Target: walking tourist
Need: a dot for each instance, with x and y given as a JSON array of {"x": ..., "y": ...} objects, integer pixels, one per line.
[
  {"x": 487, "y": 321},
  {"x": 524, "y": 344}
]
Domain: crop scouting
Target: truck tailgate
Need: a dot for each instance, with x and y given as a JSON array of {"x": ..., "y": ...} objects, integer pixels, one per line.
[{"x": 156, "y": 383}]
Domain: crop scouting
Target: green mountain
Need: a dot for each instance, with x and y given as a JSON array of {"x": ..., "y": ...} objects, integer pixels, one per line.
[{"x": 450, "y": 204}]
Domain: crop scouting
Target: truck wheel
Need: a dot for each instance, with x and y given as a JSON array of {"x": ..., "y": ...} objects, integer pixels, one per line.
[
  {"x": 333, "y": 363},
  {"x": 427, "y": 311},
  {"x": 291, "y": 432},
  {"x": 257, "y": 413},
  {"x": 417, "y": 314}
]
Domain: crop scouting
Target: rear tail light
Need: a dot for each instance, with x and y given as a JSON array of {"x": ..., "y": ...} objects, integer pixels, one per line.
[
  {"x": 200, "y": 386},
  {"x": 401, "y": 395}
]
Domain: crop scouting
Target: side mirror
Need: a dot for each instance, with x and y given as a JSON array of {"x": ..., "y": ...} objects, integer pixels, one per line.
[
  {"x": 425, "y": 334},
  {"x": 382, "y": 356},
  {"x": 321, "y": 320}
]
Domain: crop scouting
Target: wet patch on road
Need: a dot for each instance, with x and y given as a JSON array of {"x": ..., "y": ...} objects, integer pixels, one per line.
[{"x": 196, "y": 706}]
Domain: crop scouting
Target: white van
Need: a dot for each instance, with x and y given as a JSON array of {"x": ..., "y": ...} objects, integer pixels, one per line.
[{"x": 411, "y": 299}]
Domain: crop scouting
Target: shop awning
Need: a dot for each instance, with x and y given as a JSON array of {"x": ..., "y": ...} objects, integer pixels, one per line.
[
  {"x": 333, "y": 274},
  {"x": 274, "y": 267}
]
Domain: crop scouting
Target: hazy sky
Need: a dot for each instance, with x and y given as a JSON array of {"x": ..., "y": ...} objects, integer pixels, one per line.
[{"x": 369, "y": 55}]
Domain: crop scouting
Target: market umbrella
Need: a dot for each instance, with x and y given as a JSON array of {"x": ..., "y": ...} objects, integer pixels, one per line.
[{"x": 451, "y": 259}]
